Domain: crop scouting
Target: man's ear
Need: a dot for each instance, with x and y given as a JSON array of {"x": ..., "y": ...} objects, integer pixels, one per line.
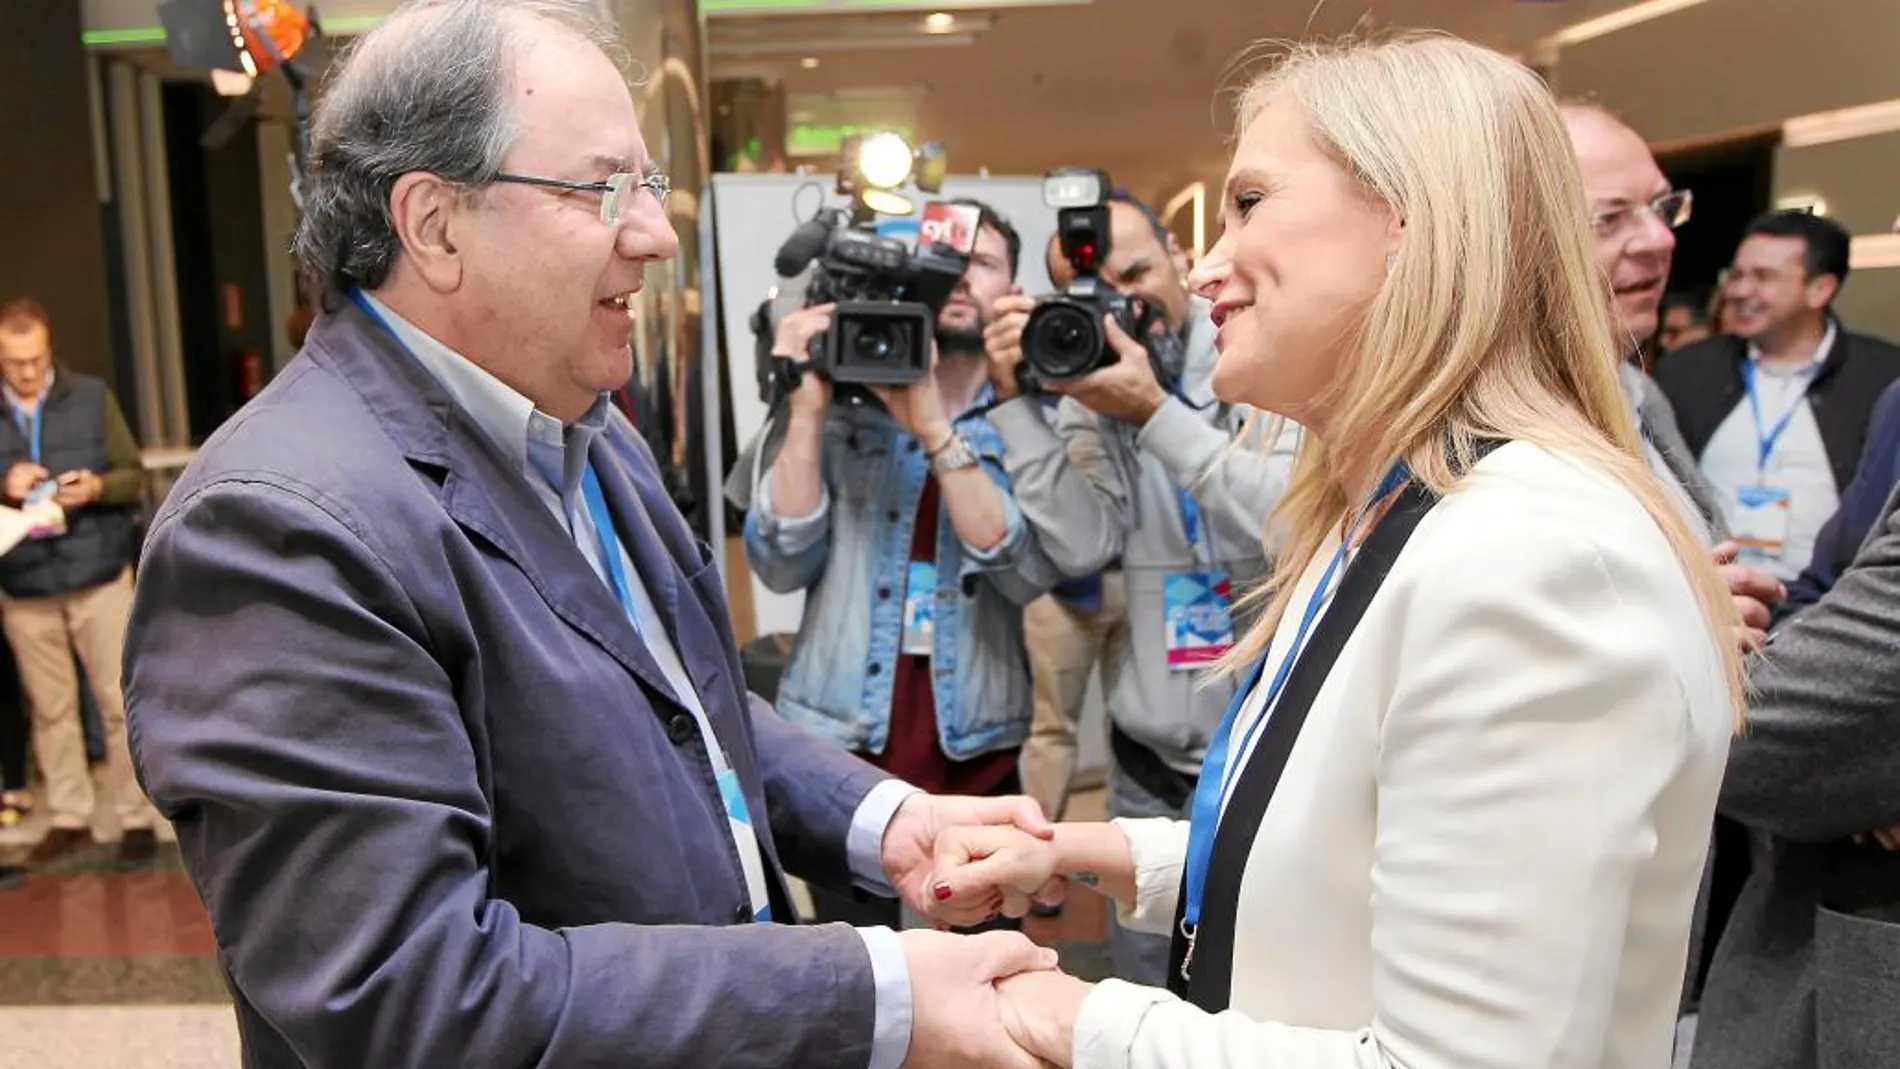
[
  {"x": 1821, "y": 291},
  {"x": 424, "y": 210}
]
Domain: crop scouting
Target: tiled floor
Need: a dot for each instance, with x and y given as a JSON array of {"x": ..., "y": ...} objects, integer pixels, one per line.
[{"x": 105, "y": 967}]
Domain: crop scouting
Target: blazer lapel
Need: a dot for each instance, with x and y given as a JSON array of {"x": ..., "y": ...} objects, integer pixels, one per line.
[{"x": 481, "y": 491}]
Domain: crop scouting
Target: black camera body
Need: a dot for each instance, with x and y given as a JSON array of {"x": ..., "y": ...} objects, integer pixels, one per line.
[
  {"x": 887, "y": 299},
  {"x": 1064, "y": 339}
]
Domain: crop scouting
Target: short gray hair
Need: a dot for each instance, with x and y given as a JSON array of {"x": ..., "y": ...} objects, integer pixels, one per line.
[{"x": 425, "y": 91}]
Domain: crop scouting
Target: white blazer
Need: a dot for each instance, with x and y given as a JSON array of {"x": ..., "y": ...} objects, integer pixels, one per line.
[{"x": 1485, "y": 847}]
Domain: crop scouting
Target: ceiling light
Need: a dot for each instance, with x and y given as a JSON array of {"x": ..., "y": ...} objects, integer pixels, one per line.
[
  {"x": 810, "y": 63},
  {"x": 1635, "y": 15},
  {"x": 1844, "y": 124},
  {"x": 939, "y": 22},
  {"x": 1875, "y": 251}
]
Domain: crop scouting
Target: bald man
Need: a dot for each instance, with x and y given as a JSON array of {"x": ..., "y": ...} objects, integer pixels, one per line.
[{"x": 1633, "y": 215}]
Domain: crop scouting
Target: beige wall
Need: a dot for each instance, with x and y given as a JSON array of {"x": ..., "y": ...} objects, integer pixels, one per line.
[{"x": 1728, "y": 67}]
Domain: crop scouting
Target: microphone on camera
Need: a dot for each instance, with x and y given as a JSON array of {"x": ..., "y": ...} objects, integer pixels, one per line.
[{"x": 805, "y": 243}]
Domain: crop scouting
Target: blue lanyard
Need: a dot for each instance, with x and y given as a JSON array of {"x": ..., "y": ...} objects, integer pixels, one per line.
[
  {"x": 24, "y": 421},
  {"x": 1765, "y": 440},
  {"x": 1207, "y": 791},
  {"x": 1191, "y": 520},
  {"x": 609, "y": 544}
]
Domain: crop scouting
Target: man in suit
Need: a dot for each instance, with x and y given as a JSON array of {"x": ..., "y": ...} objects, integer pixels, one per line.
[
  {"x": 1777, "y": 416},
  {"x": 1808, "y": 970},
  {"x": 438, "y": 687},
  {"x": 1633, "y": 215}
]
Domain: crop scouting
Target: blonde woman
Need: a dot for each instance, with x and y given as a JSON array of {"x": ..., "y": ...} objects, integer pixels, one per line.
[{"x": 1457, "y": 815}]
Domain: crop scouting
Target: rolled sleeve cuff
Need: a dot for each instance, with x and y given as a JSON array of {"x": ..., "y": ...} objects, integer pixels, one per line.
[
  {"x": 1110, "y": 1019},
  {"x": 1158, "y": 847},
  {"x": 1181, "y": 439},
  {"x": 795, "y": 534},
  {"x": 864, "y": 843},
  {"x": 890, "y": 974},
  {"x": 1003, "y": 553}
]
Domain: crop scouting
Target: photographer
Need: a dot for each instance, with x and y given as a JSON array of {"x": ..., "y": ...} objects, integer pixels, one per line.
[
  {"x": 904, "y": 509},
  {"x": 1141, "y": 479}
]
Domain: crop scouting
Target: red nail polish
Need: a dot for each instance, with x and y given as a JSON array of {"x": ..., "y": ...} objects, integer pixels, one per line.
[{"x": 942, "y": 892}]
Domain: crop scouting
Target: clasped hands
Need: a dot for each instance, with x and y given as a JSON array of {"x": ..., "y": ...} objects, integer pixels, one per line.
[{"x": 994, "y": 999}]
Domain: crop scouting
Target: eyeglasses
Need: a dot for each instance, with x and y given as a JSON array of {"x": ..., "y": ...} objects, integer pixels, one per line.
[
  {"x": 1672, "y": 209},
  {"x": 617, "y": 201}
]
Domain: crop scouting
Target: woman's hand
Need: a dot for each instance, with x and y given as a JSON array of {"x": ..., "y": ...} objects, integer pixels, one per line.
[
  {"x": 1039, "y": 1011},
  {"x": 981, "y": 871}
]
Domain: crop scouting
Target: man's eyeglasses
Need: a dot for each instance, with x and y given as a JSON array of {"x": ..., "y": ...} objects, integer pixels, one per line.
[
  {"x": 1672, "y": 208},
  {"x": 617, "y": 200}
]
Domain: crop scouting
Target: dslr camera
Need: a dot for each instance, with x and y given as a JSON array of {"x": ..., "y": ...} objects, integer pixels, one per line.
[{"x": 1064, "y": 338}]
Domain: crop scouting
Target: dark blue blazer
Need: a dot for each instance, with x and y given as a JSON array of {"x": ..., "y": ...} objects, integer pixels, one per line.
[{"x": 437, "y": 796}]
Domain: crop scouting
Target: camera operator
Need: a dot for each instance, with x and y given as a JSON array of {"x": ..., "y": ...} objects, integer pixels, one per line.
[
  {"x": 905, "y": 510},
  {"x": 1141, "y": 479}
]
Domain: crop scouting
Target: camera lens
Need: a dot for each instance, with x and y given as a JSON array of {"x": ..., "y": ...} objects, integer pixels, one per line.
[
  {"x": 1063, "y": 340},
  {"x": 877, "y": 343}
]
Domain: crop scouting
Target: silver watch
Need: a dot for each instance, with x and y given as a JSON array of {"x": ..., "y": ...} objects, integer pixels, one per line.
[{"x": 952, "y": 455}]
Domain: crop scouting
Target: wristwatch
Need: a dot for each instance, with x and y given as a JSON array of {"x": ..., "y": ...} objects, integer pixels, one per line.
[{"x": 952, "y": 455}]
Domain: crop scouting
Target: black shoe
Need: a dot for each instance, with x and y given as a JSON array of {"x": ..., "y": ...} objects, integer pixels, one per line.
[
  {"x": 10, "y": 875},
  {"x": 59, "y": 843},
  {"x": 138, "y": 849}
]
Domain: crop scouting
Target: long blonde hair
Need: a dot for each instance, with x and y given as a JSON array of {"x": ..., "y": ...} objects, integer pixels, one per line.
[{"x": 1494, "y": 321}]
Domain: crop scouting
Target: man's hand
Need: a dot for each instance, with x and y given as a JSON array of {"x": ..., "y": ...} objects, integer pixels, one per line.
[
  {"x": 1126, "y": 390},
  {"x": 795, "y": 334},
  {"x": 918, "y": 408},
  {"x": 1039, "y": 1011},
  {"x": 910, "y": 841},
  {"x": 1003, "y": 343},
  {"x": 23, "y": 477},
  {"x": 1756, "y": 593},
  {"x": 956, "y": 1021},
  {"x": 78, "y": 489},
  {"x": 983, "y": 870}
]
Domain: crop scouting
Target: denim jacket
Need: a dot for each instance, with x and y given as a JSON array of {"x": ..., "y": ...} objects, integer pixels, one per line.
[{"x": 852, "y": 558}]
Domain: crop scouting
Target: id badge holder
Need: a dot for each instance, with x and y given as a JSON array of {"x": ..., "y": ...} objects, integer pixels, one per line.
[
  {"x": 920, "y": 609},
  {"x": 1198, "y": 611},
  {"x": 1761, "y": 520}
]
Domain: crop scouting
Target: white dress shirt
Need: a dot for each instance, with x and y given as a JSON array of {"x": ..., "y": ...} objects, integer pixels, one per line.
[{"x": 551, "y": 457}]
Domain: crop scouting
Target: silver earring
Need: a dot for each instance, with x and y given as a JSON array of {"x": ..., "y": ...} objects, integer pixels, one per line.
[{"x": 1390, "y": 259}]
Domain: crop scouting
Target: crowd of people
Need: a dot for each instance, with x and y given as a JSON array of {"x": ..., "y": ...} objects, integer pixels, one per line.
[{"x": 1496, "y": 649}]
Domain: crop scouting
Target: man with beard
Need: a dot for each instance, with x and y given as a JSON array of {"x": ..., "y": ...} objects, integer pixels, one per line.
[{"x": 899, "y": 523}]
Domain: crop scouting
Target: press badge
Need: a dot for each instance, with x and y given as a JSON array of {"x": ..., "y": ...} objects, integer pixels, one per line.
[
  {"x": 1761, "y": 521},
  {"x": 1198, "y": 608},
  {"x": 920, "y": 608}
]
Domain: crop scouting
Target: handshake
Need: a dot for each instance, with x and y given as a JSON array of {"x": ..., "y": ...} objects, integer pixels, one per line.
[{"x": 994, "y": 999}]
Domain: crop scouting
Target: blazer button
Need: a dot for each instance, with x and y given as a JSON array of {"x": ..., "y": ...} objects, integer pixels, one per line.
[
  {"x": 681, "y": 729},
  {"x": 891, "y": 516},
  {"x": 874, "y": 668}
]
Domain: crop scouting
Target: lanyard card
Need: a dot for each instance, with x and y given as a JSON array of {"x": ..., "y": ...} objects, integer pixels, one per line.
[
  {"x": 1198, "y": 610},
  {"x": 920, "y": 608},
  {"x": 1761, "y": 520}
]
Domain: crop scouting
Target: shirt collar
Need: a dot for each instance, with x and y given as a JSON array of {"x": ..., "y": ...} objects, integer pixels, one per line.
[
  {"x": 32, "y": 406},
  {"x": 1820, "y": 353},
  {"x": 537, "y": 444}
]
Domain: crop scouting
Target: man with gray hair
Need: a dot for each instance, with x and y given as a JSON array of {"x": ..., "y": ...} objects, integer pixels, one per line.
[{"x": 438, "y": 686}]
